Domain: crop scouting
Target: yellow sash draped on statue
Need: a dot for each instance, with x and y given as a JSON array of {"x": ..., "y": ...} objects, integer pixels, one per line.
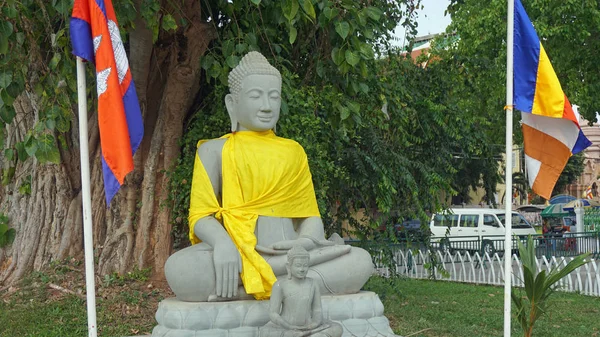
[{"x": 262, "y": 174}]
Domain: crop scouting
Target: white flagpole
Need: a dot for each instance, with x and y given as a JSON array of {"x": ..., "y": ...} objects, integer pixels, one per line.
[
  {"x": 508, "y": 178},
  {"x": 88, "y": 239}
]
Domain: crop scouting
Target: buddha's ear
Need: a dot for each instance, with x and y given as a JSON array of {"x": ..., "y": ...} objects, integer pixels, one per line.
[
  {"x": 289, "y": 271},
  {"x": 230, "y": 105}
]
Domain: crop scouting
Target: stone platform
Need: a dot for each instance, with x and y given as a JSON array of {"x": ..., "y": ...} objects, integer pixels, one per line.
[{"x": 360, "y": 315}]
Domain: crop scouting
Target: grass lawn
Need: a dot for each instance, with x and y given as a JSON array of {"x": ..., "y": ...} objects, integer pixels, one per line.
[
  {"x": 441, "y": 308},
  {"x": 127, "y": 304}
]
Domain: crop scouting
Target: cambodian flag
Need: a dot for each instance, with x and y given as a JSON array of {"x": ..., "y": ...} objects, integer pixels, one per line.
[
  {"x": 95, "y": 37},
  {"x": 551, "y": 131}
]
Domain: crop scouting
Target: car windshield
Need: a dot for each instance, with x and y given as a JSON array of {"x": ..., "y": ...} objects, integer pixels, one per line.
[{"x": 518, "y": 221}]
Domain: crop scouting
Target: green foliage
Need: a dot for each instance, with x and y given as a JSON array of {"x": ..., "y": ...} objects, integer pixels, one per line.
[
  {"x": 7, "y": 235},
  {"x": 538, "y": 286},
  {"x": 477, "y": 60},
  {"x": 35, "y": 64}
]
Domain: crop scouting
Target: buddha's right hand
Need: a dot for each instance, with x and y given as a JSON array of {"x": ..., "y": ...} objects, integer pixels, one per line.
[{"x": 228, "y": 265}]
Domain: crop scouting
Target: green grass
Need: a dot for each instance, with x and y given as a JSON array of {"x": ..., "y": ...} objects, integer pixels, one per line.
[
  {"x": 126, "y": 307},
  {"x": 442, "y": 308}
]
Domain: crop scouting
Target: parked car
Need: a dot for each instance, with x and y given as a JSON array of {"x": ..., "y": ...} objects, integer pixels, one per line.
[
  {"x": 411, "y": 229},
  {"x": 476, "y": 229}
]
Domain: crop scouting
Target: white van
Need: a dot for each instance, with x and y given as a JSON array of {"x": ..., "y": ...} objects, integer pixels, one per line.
[{"x": 475, "y": 229}]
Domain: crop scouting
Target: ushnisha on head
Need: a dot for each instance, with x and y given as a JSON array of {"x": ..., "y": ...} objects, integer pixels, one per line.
[
  {"x": 254, "y": 100},
  {"x": 297, "y": 262}
]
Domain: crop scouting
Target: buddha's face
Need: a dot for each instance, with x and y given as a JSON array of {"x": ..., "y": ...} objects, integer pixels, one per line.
[
  {"x": 258, "y": 103},
  {"x": 299, "y": 267}
]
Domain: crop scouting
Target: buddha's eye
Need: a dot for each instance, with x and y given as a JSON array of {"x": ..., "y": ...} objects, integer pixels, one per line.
[
  {"x": 274, "y": 96},
  {"x": 254, "y": 94}
]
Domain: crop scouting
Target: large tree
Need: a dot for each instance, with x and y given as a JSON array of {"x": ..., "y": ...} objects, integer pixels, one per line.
[
  {"x": 180, "y": 54},
  {"x": 382, "y": 135}
]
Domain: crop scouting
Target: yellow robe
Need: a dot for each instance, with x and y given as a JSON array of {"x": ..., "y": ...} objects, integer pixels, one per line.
[{"x": 262, "y": 174}]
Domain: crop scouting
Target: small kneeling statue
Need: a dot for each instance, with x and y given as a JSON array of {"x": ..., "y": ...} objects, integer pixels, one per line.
[{"x": 295, "y": 305}]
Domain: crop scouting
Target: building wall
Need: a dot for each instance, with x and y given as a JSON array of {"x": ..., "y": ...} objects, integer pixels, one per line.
[{"x": 591, "y": 161}]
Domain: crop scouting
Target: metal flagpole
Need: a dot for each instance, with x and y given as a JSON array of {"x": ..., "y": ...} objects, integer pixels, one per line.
[
  {"x": 508, "y": 171},
  {"x": 88, "y": 239}
]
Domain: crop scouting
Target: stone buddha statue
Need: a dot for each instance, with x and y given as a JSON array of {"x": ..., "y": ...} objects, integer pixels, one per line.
[
  {"x": 252, "y": 200},
  {"x": 295, "y": 306}
]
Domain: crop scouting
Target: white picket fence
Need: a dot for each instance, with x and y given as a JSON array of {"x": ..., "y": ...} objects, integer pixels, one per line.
[{"x": 482, "y": 269}]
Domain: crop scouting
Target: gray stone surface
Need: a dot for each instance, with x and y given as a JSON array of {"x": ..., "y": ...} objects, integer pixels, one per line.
[{"x": 359, "y": 314}]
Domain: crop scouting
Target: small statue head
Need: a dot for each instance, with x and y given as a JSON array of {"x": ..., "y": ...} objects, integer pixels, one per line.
[
  {"x": 297, "y": 262},
  {"x": 255, "y": 94}
]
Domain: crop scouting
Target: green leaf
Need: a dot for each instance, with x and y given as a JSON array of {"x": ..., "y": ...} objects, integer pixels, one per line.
[
  {"x": 168, "y": 23},
  {"x": 20, "y": 38},
  {"x": 10, "y": 11},
  {"x": 7, "y": 175},
  {"x": 54, "y": 61},
  {"x": 293, "y": 34},
  {"x": 3, "y": 44},
  {"x": 30, "y": 145},
  {"x": 7, "y": 113},
  {"x": 6, "y": 29},
  {"x": 374, "y": 13},
  {"x": 207, "y": 61},
  {"x": 21, "y": 151},
  {"x": 251, "y": 39},
  {"x": 290, "y": 9},
  {"x": 228, "y": 47},
  {"x": 232, "y": 61},
  {"x": 240, "y": 48},
  {"x": 366, "y": 50},
  {"x": 354, "y": 107},
  {"x": 256, "y": 2},
  {"x": 342, "y": 28},
  {"x": 344, "y": 113},
  {"x": 5, "y": 79},
  {"x": 337, "y": 55},
  {"x": 364, "y": 87},
  {"x": 50, "y": 124},
  {"x": 10, "y": 236},
  {"x": 47, "y": 151},
  {"x": 320, "y": 68},
  {"x": 9, "y": 154},
  {"x": 6, "y": 97},
  {"x": 352, "y": 58},
  {"x": 308, "y": 8},
  {"x": 215, "y": 70}
]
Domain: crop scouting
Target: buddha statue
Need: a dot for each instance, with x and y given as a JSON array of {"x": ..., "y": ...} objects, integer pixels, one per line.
[
  {"x": 252, "y": 199},
  {"x": 295, "y": 305}
]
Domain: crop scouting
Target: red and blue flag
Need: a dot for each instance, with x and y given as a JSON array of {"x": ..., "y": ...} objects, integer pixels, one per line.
[{"x": 96, "y": 38}]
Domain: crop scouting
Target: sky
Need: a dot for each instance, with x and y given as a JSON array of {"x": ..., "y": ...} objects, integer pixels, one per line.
[{"x": 431, "y": 20}]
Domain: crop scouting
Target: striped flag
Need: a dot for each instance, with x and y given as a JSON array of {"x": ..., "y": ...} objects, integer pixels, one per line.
[
  {"x": 96, "y": 38},
  {"x": 551, "y": 131}
]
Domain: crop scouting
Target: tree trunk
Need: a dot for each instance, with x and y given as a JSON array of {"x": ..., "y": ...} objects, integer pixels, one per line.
[{"x": 135, "y": 230}]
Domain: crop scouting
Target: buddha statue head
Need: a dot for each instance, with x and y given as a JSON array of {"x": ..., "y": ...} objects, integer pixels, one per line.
[
  {"x": 254, "y": 100},
  {"x": 297, "y": 262}
]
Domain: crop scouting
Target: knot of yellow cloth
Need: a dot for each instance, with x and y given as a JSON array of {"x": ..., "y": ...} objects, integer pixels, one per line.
[{"x": 219, "y": 214}]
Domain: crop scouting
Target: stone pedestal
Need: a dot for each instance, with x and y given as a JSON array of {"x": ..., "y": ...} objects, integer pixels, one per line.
[{"x": 360, "y": 315}]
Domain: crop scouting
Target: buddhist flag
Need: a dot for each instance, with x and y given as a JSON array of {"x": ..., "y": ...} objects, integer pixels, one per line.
[
  {"x": 96, "y": 38},
  {"x": 551, "y": 131}
]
